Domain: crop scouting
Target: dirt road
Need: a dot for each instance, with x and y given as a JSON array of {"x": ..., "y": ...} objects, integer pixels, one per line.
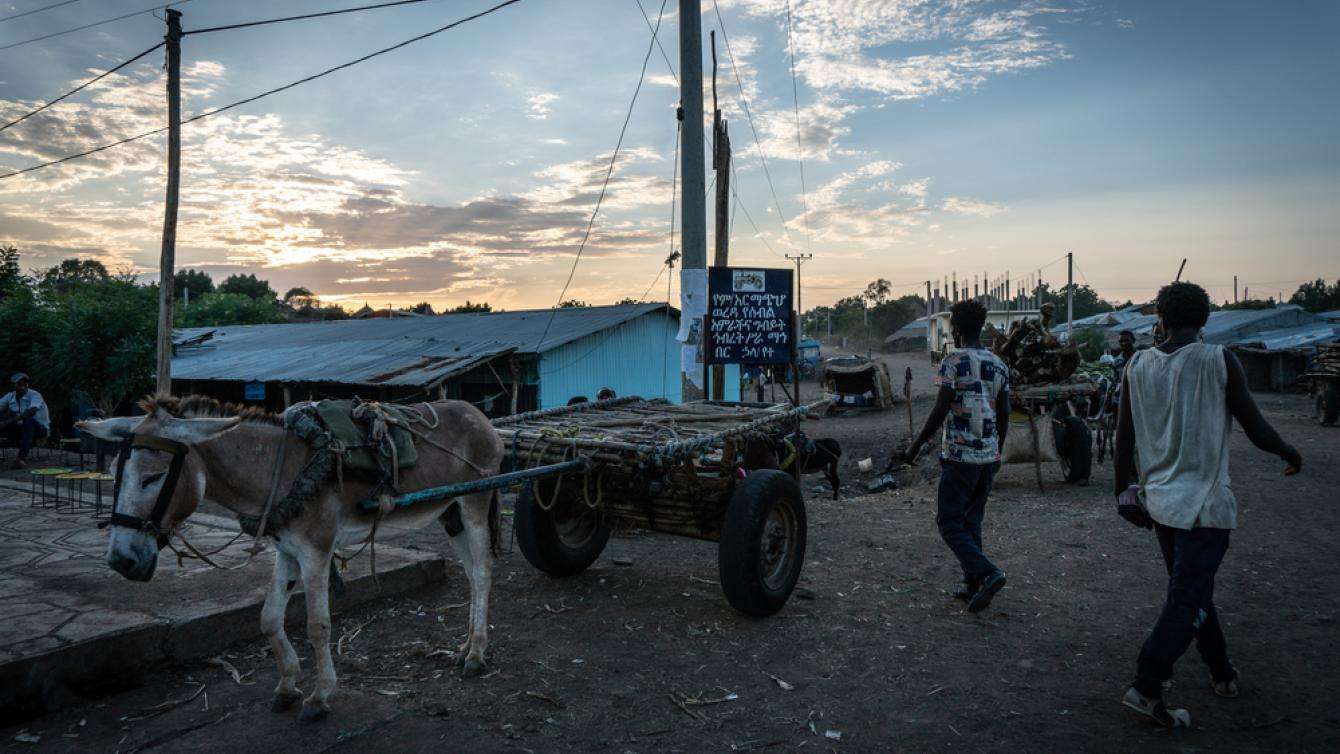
[{"x": 642, "y": 653}]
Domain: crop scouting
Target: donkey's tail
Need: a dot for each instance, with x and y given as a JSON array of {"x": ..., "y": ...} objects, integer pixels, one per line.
[{"x": 495, "y": 524}]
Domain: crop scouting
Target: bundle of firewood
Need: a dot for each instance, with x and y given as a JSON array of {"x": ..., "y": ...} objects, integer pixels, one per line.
[
  {"x": 1032, "y": 353},
  {"x": 1327, "y": 360}
]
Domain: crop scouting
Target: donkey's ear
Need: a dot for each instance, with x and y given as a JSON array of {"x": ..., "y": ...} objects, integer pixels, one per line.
[
  {"x": 192, "y": 431},
  {"x": 112, "y": 430}
]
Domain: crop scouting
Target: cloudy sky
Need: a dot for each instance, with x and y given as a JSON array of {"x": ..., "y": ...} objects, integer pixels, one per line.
[{"x": 937, "y": 136}]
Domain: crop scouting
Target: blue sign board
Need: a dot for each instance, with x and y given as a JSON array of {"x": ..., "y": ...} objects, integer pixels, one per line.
[
  {"x": 253, "y": 391},
  {"x": 750, "y": 316}
]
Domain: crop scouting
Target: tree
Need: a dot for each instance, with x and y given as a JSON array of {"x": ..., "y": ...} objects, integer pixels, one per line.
[
  {"x": 1317, "y": 296},
  {"x": 11, "y": 277},
  {"x": 573, "y": 303},
  {"x": 1087, "y": 301},
  {"x": 249, "y": 286},
  {"x": 297, "y": 295},
  {"x": 71, "y": 274},
  {"x": 469, "y": 307},
  {"x": 878, "y": 291},
  {"x": 197, "y": 282},
  {"x": 423, "y": 307},
  {"x": 223, "y": 308}
]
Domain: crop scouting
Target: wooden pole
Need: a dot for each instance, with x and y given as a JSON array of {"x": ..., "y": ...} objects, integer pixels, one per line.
[
  {"x": 693, "y": 212},
  {"x": 167, "y": 258},
  {"x": 1069, "y": 292},
  {"x": 721, "y": 164}
]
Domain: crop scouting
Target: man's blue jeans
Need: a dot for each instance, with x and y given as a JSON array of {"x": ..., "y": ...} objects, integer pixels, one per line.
[
  {"x": 24, "y": 433},
  {"x": 1192, "y": 558},
  {"x": 961, "y": 504}
]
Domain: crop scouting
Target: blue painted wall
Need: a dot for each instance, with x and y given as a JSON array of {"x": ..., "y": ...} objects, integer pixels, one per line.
[{"x": 638, "y": 357}]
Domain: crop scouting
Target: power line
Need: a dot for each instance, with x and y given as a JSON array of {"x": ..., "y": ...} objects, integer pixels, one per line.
[
  {"x": 744, "y": 102},
  {"x": 95, "y": 23},
  {"x": 735, "y": 181},
  {"x": 262, "y": 95},
  {"x": 655, "y": 36},
  {"x": 37, "y": 10},
  {"x": 304, "y": 16},
  {"x": 674, "y": 182},
  {"x": 609, "y": 173},
  {"x": 800, "y": 151},
  {"x": 82, "y": 86}
]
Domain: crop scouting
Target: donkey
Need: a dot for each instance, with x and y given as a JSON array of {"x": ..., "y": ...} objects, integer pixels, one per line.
[{"x": 190, "y": 449}]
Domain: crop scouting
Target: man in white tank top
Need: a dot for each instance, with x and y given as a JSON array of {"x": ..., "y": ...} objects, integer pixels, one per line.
[{"x": 1178, "y": 401}]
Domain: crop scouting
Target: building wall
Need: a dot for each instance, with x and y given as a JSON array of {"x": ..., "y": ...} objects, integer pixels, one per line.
[{"x": 639, "y": 357}]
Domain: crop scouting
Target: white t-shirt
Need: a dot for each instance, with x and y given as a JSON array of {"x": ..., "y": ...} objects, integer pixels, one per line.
[{"x": 30, "y": 399}]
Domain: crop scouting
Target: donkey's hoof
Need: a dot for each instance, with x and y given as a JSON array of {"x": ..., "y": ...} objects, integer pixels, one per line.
[
  {"x": 283, "y": 702},
  {"x": 473, "y": 668},
  {"x": 313, "y": 713}
]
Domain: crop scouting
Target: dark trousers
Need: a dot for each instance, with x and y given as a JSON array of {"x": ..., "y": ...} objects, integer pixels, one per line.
[
  {"x": 1192, "y": 558},
  {"x": 23, "y": 433},
  {"x": 961, "y": 504}
]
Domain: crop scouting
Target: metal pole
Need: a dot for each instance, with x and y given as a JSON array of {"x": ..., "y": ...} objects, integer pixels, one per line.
[
  {"x": 1069, "y": 292},
  {"x": 167, "y": 257},
  {"x": 693, "y": 217}
]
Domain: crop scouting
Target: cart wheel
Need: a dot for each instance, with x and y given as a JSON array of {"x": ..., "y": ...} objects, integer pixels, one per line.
[
  {"x": 1074, "y": 446},
  {"x": 562, "y": 541},
  {"x": 762, "y": 544}
]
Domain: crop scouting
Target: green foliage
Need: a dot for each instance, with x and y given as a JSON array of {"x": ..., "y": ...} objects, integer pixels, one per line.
[
  {"x": 1087, "y": 301},
  {"x": 69, "y": 275},
  {"x": 1091, "y": 342},
  {"x": 423, "y": 308},
  {"x": 228, "y": 308},
  {"x": 1250, "y": 303},
  {"x": 249, "y": 286},
  {"x": 196, "y": 281},
  {"x": 11, "y": 277},
  {"x": 866, "y": 317},
  {"x": 97, "y": 338},
  {"x": 573, "y": 303},
  {"x": 1317, "y": 296},
  {"x": 469, "y": 306}
]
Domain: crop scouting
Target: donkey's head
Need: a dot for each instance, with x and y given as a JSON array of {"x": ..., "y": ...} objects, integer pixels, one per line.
[{"x": 159, "y": 481}]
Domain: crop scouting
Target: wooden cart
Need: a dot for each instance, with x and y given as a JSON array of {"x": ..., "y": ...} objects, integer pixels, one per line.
[
  {"x": 1070, "y": 430},
  {"x": 586, "y": 469}
]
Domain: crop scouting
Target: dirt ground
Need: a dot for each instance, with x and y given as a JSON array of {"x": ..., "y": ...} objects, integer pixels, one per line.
[{"x": 642, "y": 652}]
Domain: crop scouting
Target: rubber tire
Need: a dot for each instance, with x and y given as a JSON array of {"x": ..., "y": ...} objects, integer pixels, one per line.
[
  {"x": 741, "y": 539},
  {"x": 1074, "y": 444},
  {"x": 539, "y": 540}
]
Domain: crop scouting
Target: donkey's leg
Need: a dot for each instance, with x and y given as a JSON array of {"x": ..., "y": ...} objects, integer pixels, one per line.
[
  {"x": 272, "y": 625},
  {"x": 315, "y": 562},
  {"x": 460, "y": 543},
  {"x": 475, "y": 516}
]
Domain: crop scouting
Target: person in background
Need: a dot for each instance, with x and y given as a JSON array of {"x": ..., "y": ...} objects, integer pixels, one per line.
[
  {"x": 1177, "y": 402},
  {"x": 974, "y": 395},
  {"x": 24, "y": 418},
  {"x": 1125, "y": 350}
]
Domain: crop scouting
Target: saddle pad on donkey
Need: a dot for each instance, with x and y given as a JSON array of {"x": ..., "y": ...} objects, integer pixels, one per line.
[{"x": 338, "y": 418}]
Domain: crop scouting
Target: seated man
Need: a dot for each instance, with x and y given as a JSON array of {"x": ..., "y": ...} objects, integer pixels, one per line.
[{"x": 24, "y": 418}]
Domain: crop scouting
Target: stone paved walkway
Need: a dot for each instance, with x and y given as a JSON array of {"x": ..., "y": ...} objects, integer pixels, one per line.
[{"x": 70, "y": 625}]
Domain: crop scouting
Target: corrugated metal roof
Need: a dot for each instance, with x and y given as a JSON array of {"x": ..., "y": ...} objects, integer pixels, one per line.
[
  {"x": 407, "y": 352},
  {"x": 1292, "y": 337},
  {"x": 1331, "y": 316}
]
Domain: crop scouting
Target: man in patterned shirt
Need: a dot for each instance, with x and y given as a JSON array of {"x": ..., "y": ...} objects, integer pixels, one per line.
[{"x": 974, "y": 391}]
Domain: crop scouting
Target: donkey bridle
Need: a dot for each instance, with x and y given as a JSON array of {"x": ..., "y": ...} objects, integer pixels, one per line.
[{"x": 154, "y": 523}]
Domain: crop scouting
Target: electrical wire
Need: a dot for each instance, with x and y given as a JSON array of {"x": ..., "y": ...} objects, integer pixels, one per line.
[
  {"x": 744, "y": 102},
  {"x": 302, "y": 17},
  {"x": 674, "y": 181},
  {"x": 735, "y": 181},
  {"x": 90, "y": 26},
  {"x": 609, "y": 173},
  {"x": 37, "y": 10},
  {"x": 655, "y": 35},
  {"x": 800, "y": 151},
  {"x": 82, "y": 86},
  {"x": 262, "y": 95}
]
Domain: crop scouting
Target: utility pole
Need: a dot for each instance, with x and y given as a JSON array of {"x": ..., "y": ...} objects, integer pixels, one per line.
[
  {"x": 929, "y": 309},
  {"x": 1069, "y": 292},
  {"x": 800, "y": 259},
  {"x": 721, "y": 164},
  {"x": 693, "y": 217},
  {"x": 1235, "y": 289},
  {"x": 167, "y": 258}
]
